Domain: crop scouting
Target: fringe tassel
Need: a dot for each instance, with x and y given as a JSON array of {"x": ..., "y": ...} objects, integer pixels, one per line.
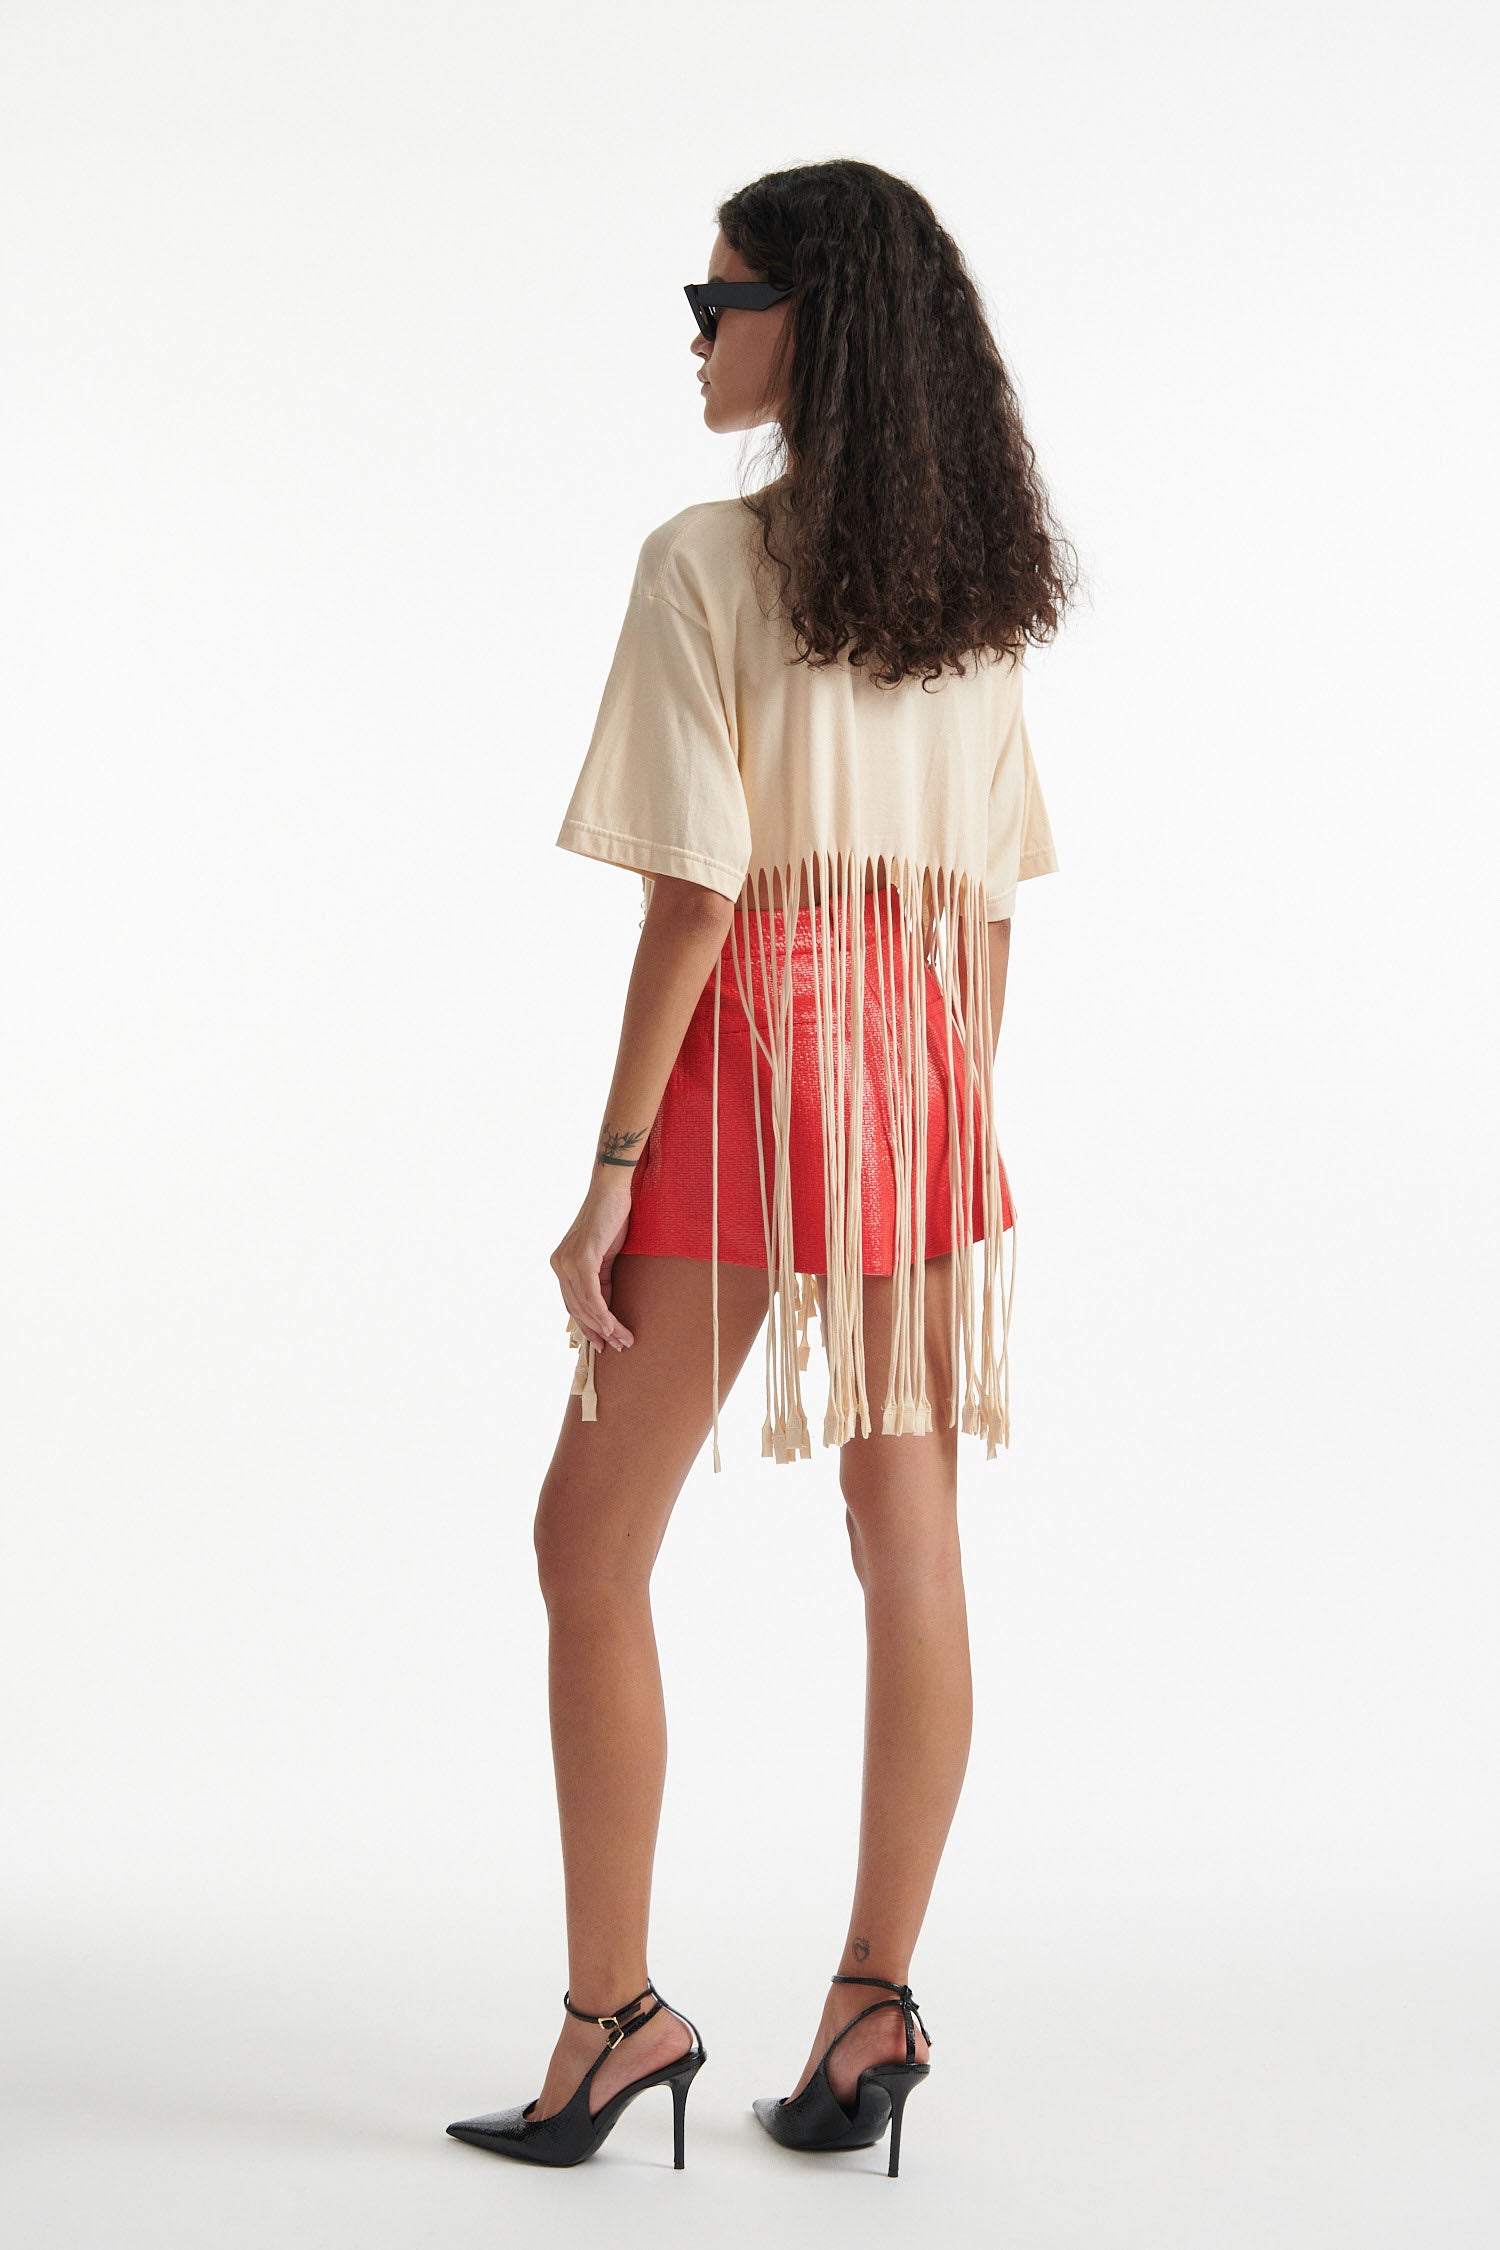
[
  {"x": 923, "y": 918},
  {"x": 583, "y": 1373},
  {"x": 713, "y": 1249},
  {"x": 838, "y": 999},
  {"x": 784, "y": 1433}
]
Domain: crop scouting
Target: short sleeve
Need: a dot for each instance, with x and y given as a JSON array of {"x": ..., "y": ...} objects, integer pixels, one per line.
[
  {"x": 1019, "y": 840},
  {"x": 660, "y": 790}
]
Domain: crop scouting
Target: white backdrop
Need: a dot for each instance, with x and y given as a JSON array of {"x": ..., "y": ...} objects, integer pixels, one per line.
[{"x": 346, "y": 365}]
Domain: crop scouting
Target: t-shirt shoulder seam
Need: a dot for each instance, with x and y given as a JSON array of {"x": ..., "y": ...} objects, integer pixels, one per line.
[
  {"x": 683, "y": 520},
  {"x": 649, "y": 594}
]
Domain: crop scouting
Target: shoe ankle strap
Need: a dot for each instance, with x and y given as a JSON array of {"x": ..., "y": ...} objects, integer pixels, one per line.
[
  {"x": 909, "y": 2007},
  {"x": 628, "y": 2017}
]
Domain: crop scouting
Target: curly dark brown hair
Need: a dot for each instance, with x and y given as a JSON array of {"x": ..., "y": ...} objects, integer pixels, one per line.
[{"x": 916, "y": 528}]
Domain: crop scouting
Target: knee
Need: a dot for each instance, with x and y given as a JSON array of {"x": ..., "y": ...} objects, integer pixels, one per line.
[
  {"x": 894, "y": 1541},
  {"x": 577, "y": 1556}
]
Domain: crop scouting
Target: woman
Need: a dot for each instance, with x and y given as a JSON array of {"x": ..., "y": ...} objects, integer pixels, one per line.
[{"x": 812, "y": 749}]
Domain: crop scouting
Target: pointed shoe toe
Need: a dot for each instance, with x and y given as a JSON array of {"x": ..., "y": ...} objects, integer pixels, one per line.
[
  {"x": 559, "y": 2139},
  {"x": 494, "y": 2125}
]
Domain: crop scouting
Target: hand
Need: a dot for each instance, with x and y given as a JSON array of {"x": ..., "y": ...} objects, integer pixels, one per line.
[{"x": 585, "y": 1257}]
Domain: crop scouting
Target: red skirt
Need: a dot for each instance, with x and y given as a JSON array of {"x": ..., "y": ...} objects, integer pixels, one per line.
[{"x": 672, "y": 1191}]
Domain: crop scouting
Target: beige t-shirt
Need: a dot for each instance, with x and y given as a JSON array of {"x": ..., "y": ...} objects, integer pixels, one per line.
[{"x": 717, "y": 758}]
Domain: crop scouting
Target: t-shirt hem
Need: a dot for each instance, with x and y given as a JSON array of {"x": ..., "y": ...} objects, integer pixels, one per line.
[{"x": 646, "y": 857}]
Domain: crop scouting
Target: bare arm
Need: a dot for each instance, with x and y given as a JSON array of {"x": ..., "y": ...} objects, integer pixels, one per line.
[
  {"x": 997, "y": 939},
  {"x": 998, "y": 935},
  {"x": 681, "y": 938}
]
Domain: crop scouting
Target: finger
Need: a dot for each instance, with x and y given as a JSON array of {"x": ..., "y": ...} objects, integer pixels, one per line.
[
  {"x": 593, "y": 1312},
  {"x": 576, "y": 1310},
  {"x": 598, "y": 1297},
  {"x": 606, "y": 1291}
]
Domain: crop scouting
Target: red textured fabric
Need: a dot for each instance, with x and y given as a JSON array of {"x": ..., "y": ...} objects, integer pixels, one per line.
[{"x": 671, "y": 1193}]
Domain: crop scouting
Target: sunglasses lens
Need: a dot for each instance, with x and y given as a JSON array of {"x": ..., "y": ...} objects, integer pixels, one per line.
[{"x": 706, "y": 314}]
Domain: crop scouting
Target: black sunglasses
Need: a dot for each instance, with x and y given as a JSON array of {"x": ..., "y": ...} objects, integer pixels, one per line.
[{"x": 709, "y": 298}]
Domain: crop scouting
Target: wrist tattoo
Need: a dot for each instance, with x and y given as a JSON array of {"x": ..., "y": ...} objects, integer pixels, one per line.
[{"x": 613, "y": 1145}]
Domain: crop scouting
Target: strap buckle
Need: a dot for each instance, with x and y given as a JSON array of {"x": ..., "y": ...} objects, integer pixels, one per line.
[{"x": 618, "y": 2026}]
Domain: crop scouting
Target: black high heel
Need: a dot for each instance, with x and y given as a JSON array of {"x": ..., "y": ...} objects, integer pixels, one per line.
[
  {"x": 570, "y": 2134},
  {"x": 817, "y": 2119}
]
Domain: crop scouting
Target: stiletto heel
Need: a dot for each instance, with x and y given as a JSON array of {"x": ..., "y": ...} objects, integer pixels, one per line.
[
  {"x": 571, "y": 2133},
  {"x": 898, "y": 2082},
  {"x": 680, "y": 2085},
  {"x": 816, "y": 2119}
]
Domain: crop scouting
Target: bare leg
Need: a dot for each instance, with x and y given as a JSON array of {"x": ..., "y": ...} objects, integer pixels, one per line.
[
  {"x": 605, "y": 1503},
  {"x": 901, "y": 1507}
]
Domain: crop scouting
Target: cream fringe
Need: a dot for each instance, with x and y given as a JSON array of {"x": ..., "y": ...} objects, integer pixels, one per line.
[{"x": 937, "y": 908}]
